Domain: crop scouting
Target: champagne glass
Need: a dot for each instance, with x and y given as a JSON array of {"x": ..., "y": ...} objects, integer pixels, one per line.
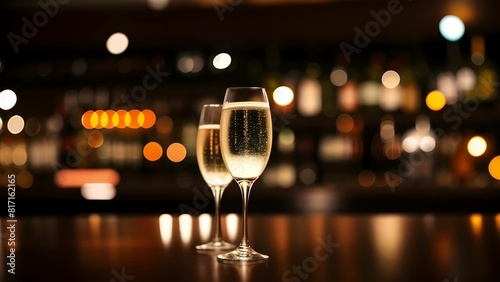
[
  {"x": 212, "y": 168},
  {"x": 246, "y": 140}
]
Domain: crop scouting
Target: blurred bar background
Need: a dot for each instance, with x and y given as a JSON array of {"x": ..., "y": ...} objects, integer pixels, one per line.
[{"x": 377, "y": 105}]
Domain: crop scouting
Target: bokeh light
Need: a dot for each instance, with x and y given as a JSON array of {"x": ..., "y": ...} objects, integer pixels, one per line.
[
  {"x": 435, "y": 100},
  {"x": 307, "y": 176},
  {"x": 98, "y": 191},
  {"x": 410, "y": 144},
  {"x": 286, "y": 141},
  {"x": 152, "y": 151},
  {"x": 390, "y": 79},
  {"x": 86, "y": 119},
  {"x": 121, "y": 118},
  {"x": 1, "y": 124},
  {"x": 221, "y": 61},
  {"x": 476, "y": 146},
  {"x": 344, "y": 123},
  {"x": 15, "y": 124},
  {"x": 338, "y": 77},
  {"x": 427, "y": 143},
  {"x": 8, "y": 99},
  {"x": 366, "y": 178},
  {"x": 451, "y": 28},
  {"x": 158, "y": 5},
  {"x": 24, "y": 179},
  {"x": 176, "y": 152},
  {"x": 134, "y": 119},
  {"x": 32, "y": 126},
  {"x": 494, "y": 167},
  {"x": 117, "y": 43},
  {"x": 19, "y": 155},
  {"x": 95, "y": 139},
  {"x": 164, "y": 125},
  {"x": 283, "y": 95},
  {"x": 149, "y": 118},
  {"x": 477, "y": 58}
]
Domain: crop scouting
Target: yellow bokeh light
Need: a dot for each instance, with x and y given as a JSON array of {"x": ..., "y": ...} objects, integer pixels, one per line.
[
  {"x": 140, "y": 119},
  {"x": 94, "y": 120},
  {"x": 103, "y": 119},
  {"x": 435, "y": 100},
  {"x": 283, "y": 95},
  {"x": 152, "y": 151},
  {"x": 476, "y": 146},
  {"x": 494, "y": 167},
  {"x": 176, "y": 152},
  {"x": 127, "y": 119}
]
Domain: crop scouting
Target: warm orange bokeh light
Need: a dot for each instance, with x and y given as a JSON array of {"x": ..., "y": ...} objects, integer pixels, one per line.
[
  {"x": 494, "y": 167},
  {"x": 152, "y": 151},
  {"x": 110, "y": 115},
  {"x": 122, "y": 118},
  {"x": 86, "y": 119},
  {"x": 96, "y": 139},
  {"x": 176, "y": 152},
  {"x": 134, "y": 119},
  {"x": 345, "y": 123},
  {"x": 149, "y": 118}
]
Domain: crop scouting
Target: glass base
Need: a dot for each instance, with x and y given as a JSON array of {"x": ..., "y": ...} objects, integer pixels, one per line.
[
  {"x": 214, "y": 246},
  {"x": 243, "y": 255}
]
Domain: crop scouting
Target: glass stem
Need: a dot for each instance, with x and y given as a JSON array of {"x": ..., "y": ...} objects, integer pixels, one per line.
[
  {"x": 245, "y": 187},
  {"x": 217, "y": 191}
]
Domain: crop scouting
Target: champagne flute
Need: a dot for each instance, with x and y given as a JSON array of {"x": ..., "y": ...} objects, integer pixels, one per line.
[
  {"x": 246, "y": 140},
  {"x": 212, "y": 168}
]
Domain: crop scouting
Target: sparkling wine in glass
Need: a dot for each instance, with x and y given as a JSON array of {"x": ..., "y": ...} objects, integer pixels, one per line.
[
  {"x": 212, "y": 168},
  {"x": 246, "y": 140}
]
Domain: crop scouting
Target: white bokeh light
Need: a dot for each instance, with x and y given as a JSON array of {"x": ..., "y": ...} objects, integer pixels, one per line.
[
  {"x": 476, "y": 146},
  {"x": 427, "y": 143},
  {"x": 98, "y": 191},
  {"x": 338, "y": 77},
  {"x": 283, "y": 95},
  {"x": 117, "y": 43},
  {"x": 451, "y": 27},
  {"x": 410, "y": 144},
  {"x": 221, "y": 61},
  {"x": 15, "y": 124},
  {"x": 390, "y": 79},
  {"x": 8, "y": 99}
]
